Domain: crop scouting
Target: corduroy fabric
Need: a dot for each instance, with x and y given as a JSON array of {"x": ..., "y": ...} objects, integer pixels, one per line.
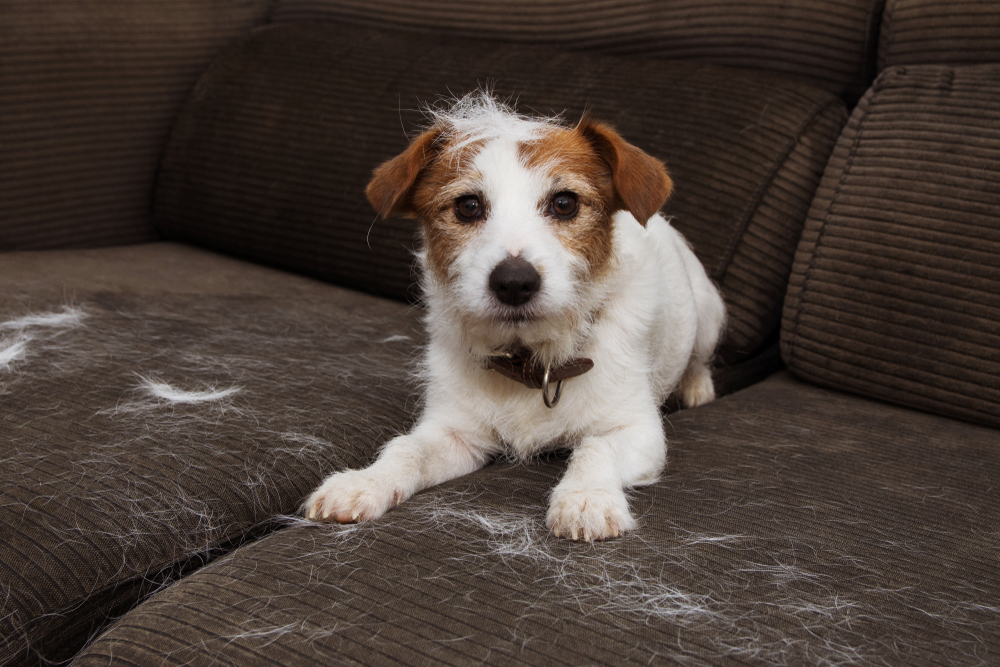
[
  {"x": 109, "y": 490},
  {"x": 88, "y": 91},
  {"x": 794, "y": 525},
  {"x": 895, "y": 290},
  {"x": 952, "y": 32},
  {"x": 271, "y": 155},
  {"x": 830, "y": 42}
]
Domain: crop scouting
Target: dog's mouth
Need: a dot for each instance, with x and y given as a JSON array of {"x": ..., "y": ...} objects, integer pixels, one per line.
[{"x": 515, "y": 316}]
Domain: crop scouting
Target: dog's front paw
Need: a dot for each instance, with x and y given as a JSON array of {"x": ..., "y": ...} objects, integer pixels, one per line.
[
  {"x": 590, "y": 514},
  {"x": 697, "y": 387},
  {"x": 352, "y": 496}
]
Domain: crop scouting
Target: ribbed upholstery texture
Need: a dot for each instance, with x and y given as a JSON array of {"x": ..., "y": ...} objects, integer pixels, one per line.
[
  {"x": 271, "y": 155},
  {"x": 114, "y": 478},
  {"x": 895, "y": 291},
  {"x": 831, "y": 42},
  {"x": 88, "y": 92},
  {"x": 793, "y": 526},
  {"x": 957, "y": 32}
]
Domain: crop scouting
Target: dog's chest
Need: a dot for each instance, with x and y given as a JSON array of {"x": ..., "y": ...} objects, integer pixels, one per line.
[
  {"x": 524, "y": 426},
  {"x": 525, "y": 433}
]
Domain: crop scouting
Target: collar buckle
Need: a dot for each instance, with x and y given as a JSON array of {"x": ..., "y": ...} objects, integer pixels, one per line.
[{"x": 545, "y": 389}]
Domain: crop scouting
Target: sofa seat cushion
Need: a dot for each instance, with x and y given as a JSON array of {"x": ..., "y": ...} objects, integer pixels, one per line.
[
  {"x": 270, "y": 156},
  {"x": 793, "y": 525},
  {"x": 895, "y": 291},
  {"x": 160, "y": 404}
]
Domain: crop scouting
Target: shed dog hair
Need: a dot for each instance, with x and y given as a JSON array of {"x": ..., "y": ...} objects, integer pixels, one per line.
[{"x": 542, "y": 249}]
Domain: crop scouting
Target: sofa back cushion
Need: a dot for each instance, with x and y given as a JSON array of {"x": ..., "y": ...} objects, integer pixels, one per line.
[
  {"x": 830, "y": 43},
  {"x": 944, "y": 32},
  {"x": 895, "y": 290},
  {"x": 88, "y": 91},
  {"x": 270, "y": 157}
]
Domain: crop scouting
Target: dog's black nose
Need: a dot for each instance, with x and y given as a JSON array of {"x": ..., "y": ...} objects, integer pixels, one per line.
[{"x": 515, "y": 281}]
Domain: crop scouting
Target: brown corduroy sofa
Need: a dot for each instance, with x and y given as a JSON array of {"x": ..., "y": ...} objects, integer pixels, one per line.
[{"x": 201, "y": 317}]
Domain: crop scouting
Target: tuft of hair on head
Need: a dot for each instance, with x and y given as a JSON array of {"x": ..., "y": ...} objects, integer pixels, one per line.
[{"x": 481, "y": 116}]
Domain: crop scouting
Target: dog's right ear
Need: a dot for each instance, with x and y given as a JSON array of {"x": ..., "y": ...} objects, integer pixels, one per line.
[{"x": 389, "y": 189}]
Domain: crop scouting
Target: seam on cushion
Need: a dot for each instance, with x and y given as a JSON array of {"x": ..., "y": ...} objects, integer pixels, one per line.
[
  {"x": 271, "y": 11},
  {"x": 139, "y": 588},
  {"x": 810, "y": 269},
  {"x": 754, "y": 205},
  {"x": 870, "y": 51},
  {"x": 890, "y": 33}
]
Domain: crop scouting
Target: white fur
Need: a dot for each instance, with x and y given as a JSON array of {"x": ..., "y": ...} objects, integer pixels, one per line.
[
  {"x": 481, "y": 117},
  {"x": 12, "y": 350},
  {"x": 69, "y": 317},
  {"x": 650, "y": 323},
  {"x": 15, "y": 347},
  {"x": 174, "y": 395}
]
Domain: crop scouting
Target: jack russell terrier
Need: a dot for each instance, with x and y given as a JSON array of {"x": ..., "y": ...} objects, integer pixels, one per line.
[{"x": 562, "y": 309}]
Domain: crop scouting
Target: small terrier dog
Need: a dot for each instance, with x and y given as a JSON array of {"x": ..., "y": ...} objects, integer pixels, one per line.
[{"x": 544, "y": 261}]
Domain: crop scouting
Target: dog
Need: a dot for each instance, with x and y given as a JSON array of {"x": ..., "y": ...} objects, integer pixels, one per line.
[{"x": 562, "y": 311}]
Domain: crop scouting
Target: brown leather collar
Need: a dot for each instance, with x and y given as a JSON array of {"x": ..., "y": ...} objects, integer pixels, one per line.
[{"x": 518, "y": 367}]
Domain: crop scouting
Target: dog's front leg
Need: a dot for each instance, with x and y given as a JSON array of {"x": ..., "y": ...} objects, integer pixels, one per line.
[
  {"x": 430, "y": 454},
  {"x": 589, "y": 502}
]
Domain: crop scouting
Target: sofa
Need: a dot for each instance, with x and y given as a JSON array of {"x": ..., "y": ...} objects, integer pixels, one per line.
[{"x": 201, "y": 317}]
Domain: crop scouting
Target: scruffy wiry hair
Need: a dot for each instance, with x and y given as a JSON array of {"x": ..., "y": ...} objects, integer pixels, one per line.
[{"x": 480, "y": 116}]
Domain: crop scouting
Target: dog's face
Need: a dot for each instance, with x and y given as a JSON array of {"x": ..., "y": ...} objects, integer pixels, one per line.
[{"x": 517, "y": 219}]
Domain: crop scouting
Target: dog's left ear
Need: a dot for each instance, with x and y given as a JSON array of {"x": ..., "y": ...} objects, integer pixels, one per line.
[
  {"x": 389, "y": 189},
  {"x": 641, "y": 181}
]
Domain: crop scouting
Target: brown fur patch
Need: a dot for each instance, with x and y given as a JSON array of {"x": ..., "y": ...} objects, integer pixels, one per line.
[
  {"x": 392, "y": 182},
  {"x": 641, "y": 181},
  {"x": 571, "y": 164},
  {"x": 442, "y": 181}
]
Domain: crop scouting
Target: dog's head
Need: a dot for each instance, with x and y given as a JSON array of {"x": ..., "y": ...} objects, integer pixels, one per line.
[{"x": 517, "y": 215}]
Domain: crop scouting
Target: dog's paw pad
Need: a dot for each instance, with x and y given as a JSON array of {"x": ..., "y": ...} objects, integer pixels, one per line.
[
  {"x": 589, "y": 514},
  {"x": 351, "y": 496}
]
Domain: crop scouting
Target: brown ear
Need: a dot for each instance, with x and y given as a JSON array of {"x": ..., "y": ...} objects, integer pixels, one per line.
[
  {"x": 391, "y": 182},
  {"x": 641, "y": 181}
]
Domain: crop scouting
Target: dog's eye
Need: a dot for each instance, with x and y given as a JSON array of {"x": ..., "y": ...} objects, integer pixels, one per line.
[
  {"x": 468, "y": 208},
  {"x": 564, "y": 205}
]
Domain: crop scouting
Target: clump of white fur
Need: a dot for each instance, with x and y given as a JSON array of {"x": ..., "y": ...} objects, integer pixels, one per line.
[
  {"x": 174, "y": 395},
  {"x": 69, "y": 317},
  {"x": 15, "y": 347},
  {"x": 13, "y": 350}
]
